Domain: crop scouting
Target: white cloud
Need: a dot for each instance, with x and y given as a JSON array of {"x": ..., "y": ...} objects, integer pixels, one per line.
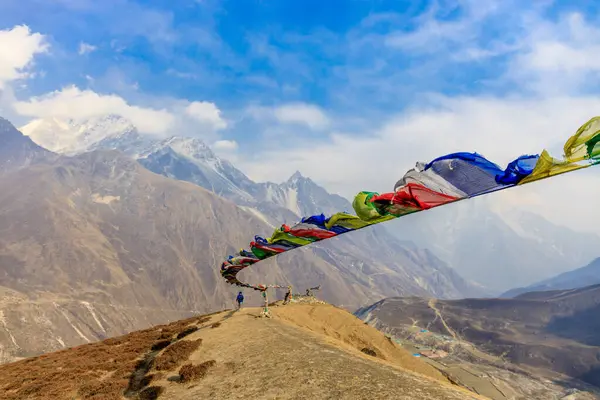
[
  {"x": 71, "y": 102},
  {"x": 225, "y": 145},
  {"x": 297, "y": 113},
  {"x": 18, "y": 47},
  {"x": 459, "y": 36},
  {"x": 302, "y": 113},
  {"x": 558, "y": 57},
  {"x": 206, "y": 112},
  {"x": 85, "y": 48}
]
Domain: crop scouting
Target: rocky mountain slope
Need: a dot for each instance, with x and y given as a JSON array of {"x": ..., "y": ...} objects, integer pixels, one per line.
[
  {"x": 555, "y": 330},
  {"x": 581, "y": 277},
  {"x": 303, "y": 351},
  {"x": 96, "y": 245},
  {"x": 18, "y": 151}
]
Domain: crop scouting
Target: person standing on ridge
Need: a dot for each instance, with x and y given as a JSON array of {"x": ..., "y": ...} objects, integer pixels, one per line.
[
  {"x": 263, "y": 290},
  {"x": 239, "y": 299},
  {"x": 288, "y": 295}
]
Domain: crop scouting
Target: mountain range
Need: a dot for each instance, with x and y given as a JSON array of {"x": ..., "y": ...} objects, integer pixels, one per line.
[
  {"x": 581, "y": 277},
  {"x": 498, "y": 248},
  {"x": 191, "y": 160},
  {"x": 94, "y": 244}
]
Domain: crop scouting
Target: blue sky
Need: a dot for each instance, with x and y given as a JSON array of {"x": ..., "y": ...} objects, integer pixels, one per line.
[
  {"x": 307, "y": 84},
  {"x": 335, "y": 54}
]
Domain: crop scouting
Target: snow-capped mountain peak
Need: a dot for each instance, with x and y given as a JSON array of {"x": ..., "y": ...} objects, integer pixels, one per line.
[
  {"x": 295, "y": 177},
  {"x": 192, "y": 148},
  {"x": 71, "y": 136}
]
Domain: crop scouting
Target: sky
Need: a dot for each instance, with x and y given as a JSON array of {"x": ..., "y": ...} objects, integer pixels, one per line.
[{"x": 351, "y": 93}]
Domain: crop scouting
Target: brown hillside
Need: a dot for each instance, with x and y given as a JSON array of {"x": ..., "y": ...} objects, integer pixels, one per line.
[
  {"x": 304, "y": 351},
  {"x": 18, "y": 151}
]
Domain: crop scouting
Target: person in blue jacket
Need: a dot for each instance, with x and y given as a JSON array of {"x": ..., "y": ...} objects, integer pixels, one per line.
[{"x": 240, "y": 300}]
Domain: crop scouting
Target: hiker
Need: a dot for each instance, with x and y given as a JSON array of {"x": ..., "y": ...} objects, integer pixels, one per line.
[
  {"x": 288, "y": 295},
  {"x": 239, "y": 299},
  {"x": 265, "y": 297},
  {"x": 263, "y": 290}
]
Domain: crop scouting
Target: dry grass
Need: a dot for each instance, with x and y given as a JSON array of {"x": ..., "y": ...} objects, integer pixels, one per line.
[
  {"x": 302, "y": 359},
  {"x": 99, "y": 370},
  {"x": 351, "y": 332},
  {"x": 161, "y": 344},
  {"x": 175, "y": 354},
  {"x": 187, "y": 331},
  {"x": 106, "y": 389},
  {"x": 189, "y": 372}
]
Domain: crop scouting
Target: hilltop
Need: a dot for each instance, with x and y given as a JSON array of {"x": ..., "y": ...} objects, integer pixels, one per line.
[{"x": 303, "y": 351}]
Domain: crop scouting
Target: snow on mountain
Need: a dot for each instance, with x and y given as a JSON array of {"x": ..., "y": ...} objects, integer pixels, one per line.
[
  {"x": 193, "y": 149},
  {"x": 301, "y": 195},
  {"x": 192, "y": 160},
  {"x": 68, "y": 136},
  {"x": 187, "y": 159}
]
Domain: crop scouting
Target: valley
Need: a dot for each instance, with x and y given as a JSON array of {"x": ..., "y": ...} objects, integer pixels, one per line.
[{"x": 538, "y": 331}]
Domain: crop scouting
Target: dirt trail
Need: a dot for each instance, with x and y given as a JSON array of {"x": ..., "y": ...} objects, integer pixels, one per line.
[
  {"x": 466, "y": 345},
  {"x": 432, "y": 304},
  {"x": 307, "y": 351}
]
